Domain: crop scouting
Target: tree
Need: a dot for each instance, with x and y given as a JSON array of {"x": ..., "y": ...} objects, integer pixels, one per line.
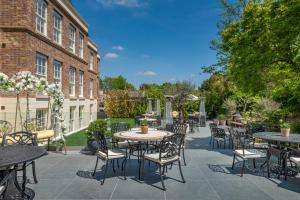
[{"x": 116, "y": 83}]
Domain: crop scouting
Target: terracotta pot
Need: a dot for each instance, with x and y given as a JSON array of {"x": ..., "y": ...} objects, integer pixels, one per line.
[
  {"x": 222, "y": 122},
  {"x": 144, "y": 129},
  {"x": 285, "y": 132}
]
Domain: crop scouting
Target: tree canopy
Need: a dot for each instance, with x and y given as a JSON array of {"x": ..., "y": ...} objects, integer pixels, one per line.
[{"x": 116, "y": 83}]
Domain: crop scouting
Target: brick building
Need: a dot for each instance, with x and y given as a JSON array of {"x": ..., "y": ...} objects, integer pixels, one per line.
[{"x": 50, "y": 39}]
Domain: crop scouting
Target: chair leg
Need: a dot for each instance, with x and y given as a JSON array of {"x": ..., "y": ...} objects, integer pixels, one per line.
[
  {"x": 125, "y": 160},
  {"x": 232, "y": 167},
  {"x": 104, "y": 173},
  {"x": 254, "y": 163},
  {"x": 268, "y": 167},
  {"x": 181, "y": 174},
  {"x": 162, "y": 178},
  {"x": 24, "y": 180},
  {"x": 243, "y": 168},
  {"x": 34, "y": 173},
  {"x": 113, "y": 163},
  {"x": 95, "y": 167},
  {"x": 183, "y": 155},
  {"x": 213, "y": 144}
]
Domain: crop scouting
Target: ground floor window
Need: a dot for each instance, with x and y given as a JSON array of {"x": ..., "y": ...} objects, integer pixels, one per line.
[
  {"x": 41, "y": 118},
  {"x": 72, "y": 118},
  {"x": 81, "y": 116},
  {"x": 91, "y": 112}
]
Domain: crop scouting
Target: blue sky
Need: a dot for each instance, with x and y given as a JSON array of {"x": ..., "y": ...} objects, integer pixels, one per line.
[{"x": 152, "y": 41}]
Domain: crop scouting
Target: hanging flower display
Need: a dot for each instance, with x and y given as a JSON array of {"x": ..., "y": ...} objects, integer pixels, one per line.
[{"x": 24, "y": 81}]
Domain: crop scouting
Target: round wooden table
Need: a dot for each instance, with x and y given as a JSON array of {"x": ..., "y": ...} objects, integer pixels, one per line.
[{"x": 135, "y": 134}]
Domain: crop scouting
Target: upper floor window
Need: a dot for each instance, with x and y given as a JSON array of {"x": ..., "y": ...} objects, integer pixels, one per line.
[
  {"x": 57, "y": 71},
  {"x": 91, "y": 61},
  {"x": 80, "y": 41},
  {"x": 72, "y": 38},
  {"x": 57, "y": 28},
  {"x": 41, "y": 64},
  {"x": 72, "y": 81},
  {"x": 91, "y": 87},
  {"x": 41, "y": 16},
  {"x": 80, "y": 83}
]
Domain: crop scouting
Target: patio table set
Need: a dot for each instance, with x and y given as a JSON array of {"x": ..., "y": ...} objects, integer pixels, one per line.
[
  {"x": 18, "y": 151},
  {"x": 161, "y": 147},
  {"x": 254, "y": 142}
]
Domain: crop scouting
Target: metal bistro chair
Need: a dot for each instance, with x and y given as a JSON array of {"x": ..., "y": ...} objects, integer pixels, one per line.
[
  {"x": 4, "y": 181},
  {"x": 105, "y": 154},
  {"x": 181, "y": 128},
  {"x": 22, "y": 138},
  {"x": 118, "y": 127},
  {"x": 219, "y": 136},
  {"x": 211, "y": 125},
  {"x": 243, "y": 150},
  {"x": 168, "y": 153}
]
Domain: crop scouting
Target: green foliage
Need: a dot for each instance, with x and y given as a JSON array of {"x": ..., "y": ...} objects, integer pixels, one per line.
[
  {"x": 116, "y": 83},
  {"x": 100, "y": 125},
  {"x": 144, "y": 122},
  {"x": 295, "y": 127},
  {"x": 285, "y": 125},
  {"x": 119, "y": 104},
  {"x": 221, "y": 117}
]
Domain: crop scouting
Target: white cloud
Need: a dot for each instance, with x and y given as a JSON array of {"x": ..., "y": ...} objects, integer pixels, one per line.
[
  {"x": 111, "y": 56},
  {"x": 124, "y": 3},
  {"x": 172, "y": 79},
  {"x": 147, "y": 73},
  {"x": 118, "y": 48}
]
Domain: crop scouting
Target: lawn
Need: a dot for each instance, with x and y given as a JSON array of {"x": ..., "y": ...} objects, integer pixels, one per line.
[{"x": 79, "y": 138}]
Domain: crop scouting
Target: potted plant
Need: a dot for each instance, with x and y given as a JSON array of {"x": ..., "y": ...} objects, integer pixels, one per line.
[
  {"x": 222, "y": 120},
  {"x": 144, "y": 126},
  {"x": 98, "y": 126},
  {"x": 285, "y": 128}
]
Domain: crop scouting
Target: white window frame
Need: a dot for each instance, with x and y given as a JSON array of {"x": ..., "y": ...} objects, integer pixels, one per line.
[
  {"x": 91, "y": 88},
  {"x": 41, "y": 17},
  {"x": 41, "y": 118},
  {"x": 72, "y": 33},
  {"x": 80, "y": 116},
  {"x": 72, "y": 118},
  {"x": 91, "y": 63},
  {"x": 91, "y": 112},
  {"x": 80, "y": 83},
  {"x": 57, "y": 27},
  {"x": 72, "y": 81},
  {"x": 57, "y": 79},
  {"x": 80, "y": 45},
  {"x": 41, "y": 70}
]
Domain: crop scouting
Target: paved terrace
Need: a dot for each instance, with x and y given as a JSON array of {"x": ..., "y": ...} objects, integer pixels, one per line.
[{"x": 208, "y": 176}]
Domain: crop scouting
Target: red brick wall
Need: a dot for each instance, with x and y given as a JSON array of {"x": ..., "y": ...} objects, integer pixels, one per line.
[{"x": 21, "y": 45}]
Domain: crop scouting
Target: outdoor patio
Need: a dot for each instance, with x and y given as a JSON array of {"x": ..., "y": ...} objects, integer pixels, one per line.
[{"x": 208, "y": 175}]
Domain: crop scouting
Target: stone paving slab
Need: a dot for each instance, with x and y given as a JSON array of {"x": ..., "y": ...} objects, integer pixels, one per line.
[{"x": 208, "y": 175}]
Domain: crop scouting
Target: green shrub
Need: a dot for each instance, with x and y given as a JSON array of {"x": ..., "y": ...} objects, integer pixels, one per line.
[
  {"x": 295, "y": 127},
  {"x": 99, "y": 125},
  {"x": 285, "y": 125}
]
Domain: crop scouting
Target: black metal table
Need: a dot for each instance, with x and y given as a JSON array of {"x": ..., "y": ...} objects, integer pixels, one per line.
[
  {"x": 280, "y": 153},
  {"x": 12, "y": 156}
]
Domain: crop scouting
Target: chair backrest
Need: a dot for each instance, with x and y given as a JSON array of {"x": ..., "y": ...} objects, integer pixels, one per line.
[
  {"x": 5, "y": 127},
  {"x": 171, "y": 146},
  {"x": 101, "y": 142},
  {"x": 119, "y": 126},
  {"x": 212, "y": 125},
  {"x": 242, "y": 140},
  {"x": 19, "y": 138},
  {"x": 218, "y": 132},
  {"x": 180, "y": 128},
  {"x": 169, "y": 127}
]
